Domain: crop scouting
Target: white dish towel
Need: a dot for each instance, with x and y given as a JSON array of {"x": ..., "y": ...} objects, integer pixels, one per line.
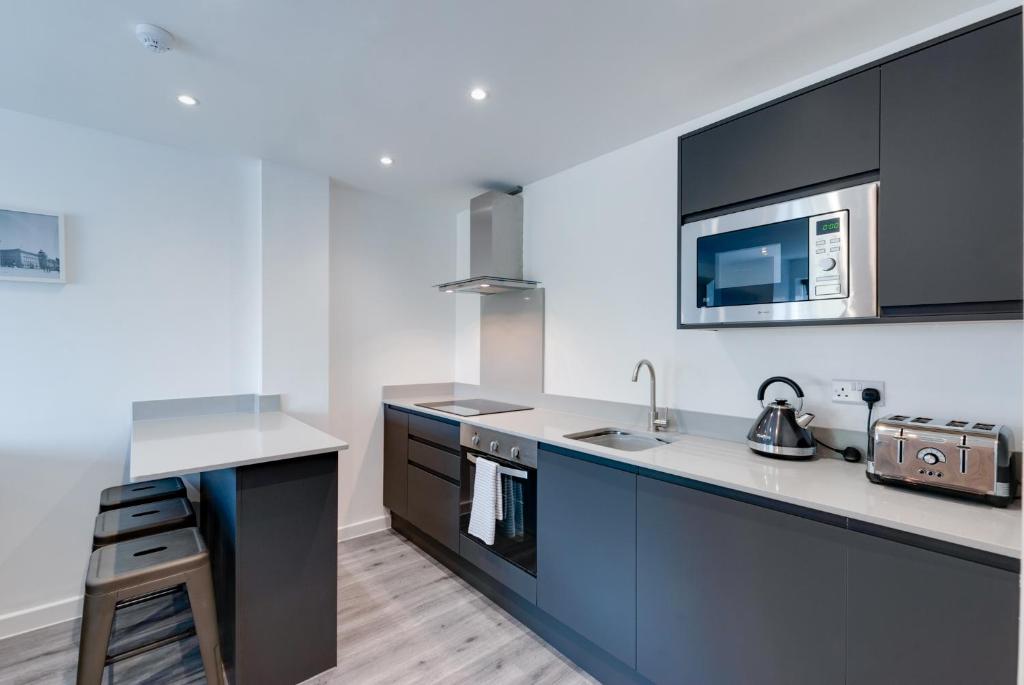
[{"x": 487, "y": 505}]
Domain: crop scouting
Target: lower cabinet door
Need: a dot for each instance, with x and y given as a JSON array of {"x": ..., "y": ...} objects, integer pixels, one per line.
[
  {"x": 728, "y": 592},
  {"x": 922, "y": 618},
  {"x": 396, "y": 447},
  {"x": 586, "y": 550},
  {"x": 434, "y": 506}
]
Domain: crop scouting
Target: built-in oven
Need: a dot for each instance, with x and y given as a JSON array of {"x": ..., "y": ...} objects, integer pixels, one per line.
[
  {"x": 808, "y": 259},
  {"x": 515, "y": 533}
]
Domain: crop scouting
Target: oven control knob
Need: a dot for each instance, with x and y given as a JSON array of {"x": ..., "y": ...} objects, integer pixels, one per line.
[
  {"x": 494, "y": 445},
  {"x": 827, "y": 264},
  {"x": 475, "y": 440},
  {"x": 514, "y": 452}
]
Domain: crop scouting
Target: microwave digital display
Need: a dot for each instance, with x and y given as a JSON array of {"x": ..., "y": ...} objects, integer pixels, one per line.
[{"x": 827, "y": 226}]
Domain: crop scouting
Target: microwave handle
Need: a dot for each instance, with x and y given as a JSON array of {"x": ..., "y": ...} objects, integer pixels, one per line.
[{"x": 514, "y": 473}]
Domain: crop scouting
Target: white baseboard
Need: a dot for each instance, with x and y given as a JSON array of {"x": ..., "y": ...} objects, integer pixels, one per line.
[
  {"x": 18, "y": 622},
  {"x": 361, "y": 528}
]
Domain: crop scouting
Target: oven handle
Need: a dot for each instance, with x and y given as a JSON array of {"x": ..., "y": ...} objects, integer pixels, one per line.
[{"x": 503, "y": 470}]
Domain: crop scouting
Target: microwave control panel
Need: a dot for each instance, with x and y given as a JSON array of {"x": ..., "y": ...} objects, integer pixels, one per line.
[{"x": 828, "y": 255}]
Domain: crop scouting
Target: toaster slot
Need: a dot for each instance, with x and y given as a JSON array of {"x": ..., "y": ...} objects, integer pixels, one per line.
[
  {"x": 957, "y": 424},
  {"x": 899, "y": 447},
  {"x": 963, "y": 453}
]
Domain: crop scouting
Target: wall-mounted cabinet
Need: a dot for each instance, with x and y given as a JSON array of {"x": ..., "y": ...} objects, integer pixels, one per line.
[
  {"x": 950, "y": 235},
  {"x": 827, "y": 133},
  {"x": 939, "y": 125}
]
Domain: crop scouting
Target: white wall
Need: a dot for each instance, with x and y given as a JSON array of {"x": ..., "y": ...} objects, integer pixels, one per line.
[
  {"x": 294, "y": 237},
  {"x": 601, "y": 236},
  {"x": 156, "y": 295},
  {"x": 388, "y": 327}
]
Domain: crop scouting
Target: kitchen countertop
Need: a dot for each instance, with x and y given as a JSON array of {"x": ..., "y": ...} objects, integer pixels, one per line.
[
  {"x": 830, "y": 485},
  {"x": 206, "y": 442}
]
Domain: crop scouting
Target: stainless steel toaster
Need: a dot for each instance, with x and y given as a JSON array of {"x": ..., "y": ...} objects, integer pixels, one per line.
[{"x": 963, "y": 458}]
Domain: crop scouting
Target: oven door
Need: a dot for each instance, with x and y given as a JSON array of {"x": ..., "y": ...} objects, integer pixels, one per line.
[
  {"x": 808, "y": 259},
  {"x": 515, "y": 536}
]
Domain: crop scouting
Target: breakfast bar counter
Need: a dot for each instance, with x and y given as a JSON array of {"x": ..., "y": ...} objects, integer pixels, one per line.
[{"x": 268, "y": 487}]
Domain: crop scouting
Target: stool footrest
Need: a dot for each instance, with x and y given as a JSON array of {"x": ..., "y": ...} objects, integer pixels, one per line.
[
  {"x": 141, "y": 599},
  {"x": 149, "y": 647}
]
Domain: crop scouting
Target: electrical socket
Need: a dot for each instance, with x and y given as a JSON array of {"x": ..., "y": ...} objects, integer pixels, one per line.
[{"x": 847, "y": 391}]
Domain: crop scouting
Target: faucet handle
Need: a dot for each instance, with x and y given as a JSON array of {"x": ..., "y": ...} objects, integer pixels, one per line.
[{"x": 659, "y": 423}]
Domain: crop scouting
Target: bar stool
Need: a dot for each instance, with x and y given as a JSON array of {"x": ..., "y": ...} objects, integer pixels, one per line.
[
  {"x": 136, "y": 568},
  {"x": 128, "y": 523},
  {"x": 141, "y": 492}
]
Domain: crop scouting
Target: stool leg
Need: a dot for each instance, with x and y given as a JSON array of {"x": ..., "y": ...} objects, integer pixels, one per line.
[
  {"x": 97, "y": 618},
  {"x": 204, "y": 617}
]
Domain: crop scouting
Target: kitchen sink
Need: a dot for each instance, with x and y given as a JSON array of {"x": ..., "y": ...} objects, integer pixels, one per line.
[{"x": 618, "y": 439}]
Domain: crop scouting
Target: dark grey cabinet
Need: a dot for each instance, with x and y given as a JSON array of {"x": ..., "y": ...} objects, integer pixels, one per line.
[
  {"x": 396, "y": 453},
  {"x": 586, "y": 550},
  {"x": 921, "y": 618},
  {"x": 729, "y": 592},
  {"x": 434, "y": 506},
  {"x": 824, "y": 134},
  {"x": 950, "y": 212}
]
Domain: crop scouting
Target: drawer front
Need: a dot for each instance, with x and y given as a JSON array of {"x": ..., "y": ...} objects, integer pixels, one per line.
[
  {"x": 512, "y": 577},
  {"x": 437, "y": 432},
  {"x": 437, "y": 460},
  {"x": 433, "y": 507}
]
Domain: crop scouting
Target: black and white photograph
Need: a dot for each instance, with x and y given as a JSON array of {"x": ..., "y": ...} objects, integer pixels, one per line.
[{"x": 31, "y": 246}]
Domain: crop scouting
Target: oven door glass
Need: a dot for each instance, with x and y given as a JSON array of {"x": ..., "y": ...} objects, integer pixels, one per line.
[
  {"x": 515, "y": 536},
  {"x": 756, "y": 265}
]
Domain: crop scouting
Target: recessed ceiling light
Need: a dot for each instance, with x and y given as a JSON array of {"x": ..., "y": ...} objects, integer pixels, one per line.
[
  {"x": 485, "y": 285},
  {"x": 478, "y": 94},
  {"x": 187, "y": 100},
  {"x": 386, "y": 161},
  {"x": 449, "y": 291}
]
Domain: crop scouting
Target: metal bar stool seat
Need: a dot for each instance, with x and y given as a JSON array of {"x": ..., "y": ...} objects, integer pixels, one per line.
[
  {"x": 139, "y": 493},
  {"x": 127, "y": 570},
  {"x": 149, "y": 518}
]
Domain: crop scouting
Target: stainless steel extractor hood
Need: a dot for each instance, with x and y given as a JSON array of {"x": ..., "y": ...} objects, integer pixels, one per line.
[{"x": 495, "y": 247}]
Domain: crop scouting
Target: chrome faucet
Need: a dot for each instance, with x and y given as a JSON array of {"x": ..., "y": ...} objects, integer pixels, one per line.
[{"x": 655, "y": 422}]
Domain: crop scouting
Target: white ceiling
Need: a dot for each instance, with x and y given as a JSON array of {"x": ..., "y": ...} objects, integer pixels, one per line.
[{"x": 331, "y": 85}]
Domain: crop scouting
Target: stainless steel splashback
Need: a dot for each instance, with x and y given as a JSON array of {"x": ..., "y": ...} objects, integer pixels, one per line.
[{"x": 512, "y": 341}]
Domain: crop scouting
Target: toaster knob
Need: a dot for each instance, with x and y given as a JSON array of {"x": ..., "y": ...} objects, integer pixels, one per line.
[{"x": 930, "y": 458}]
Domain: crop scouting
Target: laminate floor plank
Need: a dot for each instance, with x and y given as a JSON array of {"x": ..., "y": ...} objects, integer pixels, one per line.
[{"x": 403, "y": 619}]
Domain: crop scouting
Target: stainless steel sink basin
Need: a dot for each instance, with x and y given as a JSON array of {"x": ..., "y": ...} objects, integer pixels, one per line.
[{"x": 618, "y": 439}]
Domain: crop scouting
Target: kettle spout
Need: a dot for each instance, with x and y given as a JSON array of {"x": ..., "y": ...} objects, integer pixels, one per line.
[{"x": 804, "y": 419}]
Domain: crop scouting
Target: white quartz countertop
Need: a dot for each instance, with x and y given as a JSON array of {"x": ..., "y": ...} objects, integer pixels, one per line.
[
  {"x": 830, "y": 485},
  {"x": 181, "y": 445}
]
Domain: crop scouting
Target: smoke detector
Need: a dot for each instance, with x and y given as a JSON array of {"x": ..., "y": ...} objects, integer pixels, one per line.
[{"x": 154, "y": 38}]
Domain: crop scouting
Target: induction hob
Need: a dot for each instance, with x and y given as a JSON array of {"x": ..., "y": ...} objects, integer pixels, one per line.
[{"x": 472, "y": 407}]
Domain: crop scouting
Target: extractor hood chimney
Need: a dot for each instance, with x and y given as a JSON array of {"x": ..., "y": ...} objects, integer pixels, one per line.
[{"x": 495, "y": 246}]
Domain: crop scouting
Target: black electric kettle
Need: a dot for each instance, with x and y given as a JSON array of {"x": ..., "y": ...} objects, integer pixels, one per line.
[{"x": 781, "y": 431}]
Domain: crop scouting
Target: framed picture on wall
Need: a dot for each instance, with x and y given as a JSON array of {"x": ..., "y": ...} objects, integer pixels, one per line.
[{"x": 32, "y": 246}]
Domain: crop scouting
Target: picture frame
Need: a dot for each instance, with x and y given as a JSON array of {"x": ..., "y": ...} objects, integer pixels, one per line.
[{"x": 32, "y": 246}]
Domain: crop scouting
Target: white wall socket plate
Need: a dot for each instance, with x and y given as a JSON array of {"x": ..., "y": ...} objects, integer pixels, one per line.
[{"x": 847, "y": 391}]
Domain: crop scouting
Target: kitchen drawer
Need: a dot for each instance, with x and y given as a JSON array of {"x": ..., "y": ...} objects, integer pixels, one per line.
[
  {"x": 433, "y": 430},
  {"x": 433, "y": 506},
  {"x": 437, "y": 460}
]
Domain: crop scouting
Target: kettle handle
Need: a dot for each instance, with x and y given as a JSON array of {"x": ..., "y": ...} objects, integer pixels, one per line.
[{"x": 781, "y": 379}]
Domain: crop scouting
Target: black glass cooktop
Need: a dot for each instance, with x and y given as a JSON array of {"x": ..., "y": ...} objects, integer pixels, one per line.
[{"x": 473, "y": 407}]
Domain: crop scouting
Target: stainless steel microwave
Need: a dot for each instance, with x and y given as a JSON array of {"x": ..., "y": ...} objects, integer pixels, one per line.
[{"x": 809, "y": 259}]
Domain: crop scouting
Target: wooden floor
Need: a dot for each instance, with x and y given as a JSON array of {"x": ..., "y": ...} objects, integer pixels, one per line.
[{"x": 403, "y": 618}]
